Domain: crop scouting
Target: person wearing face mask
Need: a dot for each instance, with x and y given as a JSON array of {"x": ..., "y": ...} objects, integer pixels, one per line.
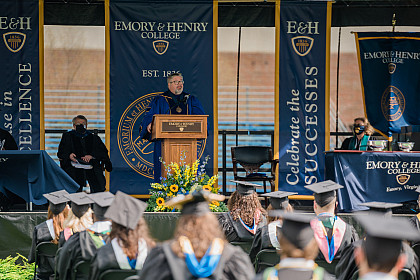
[
  {"x": 82, "y": 155},
  {"x": 362, "y": 131},
  {"x": 174, "y": 101}
]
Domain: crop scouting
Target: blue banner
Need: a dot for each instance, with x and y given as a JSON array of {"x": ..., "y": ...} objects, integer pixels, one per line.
[
  {"x": 19, "y": 72},
  {"x": 370, "y": 176},
  {"x": 303, "y": 93},
  {"x": 389, "y": 65},
  {"x": 147, "y": 42}
]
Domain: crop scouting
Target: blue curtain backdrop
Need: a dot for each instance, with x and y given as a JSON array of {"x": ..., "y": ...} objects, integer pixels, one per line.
[
  {"x": 389, "y": 65},
  {"x": 19, "y": 72},
  {"x": 303, "y": 92},
  {"x": 148, "y": 41}
]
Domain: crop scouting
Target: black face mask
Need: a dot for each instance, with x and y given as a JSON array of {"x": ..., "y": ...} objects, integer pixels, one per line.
[
  {"x": 80, "y": 128},
  {"x": 358, "y": 129}
]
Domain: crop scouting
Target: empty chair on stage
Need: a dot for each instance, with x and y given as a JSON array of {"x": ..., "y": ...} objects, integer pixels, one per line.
[
  {"x": 245, "y": 215},
  {"x": 49, "y": 231},
  {"x": 130, "y": 241},
  {"x": 266, "y": 236},
  {"x": 199, "y": 249},
  {"x": 81, "y": 247}
]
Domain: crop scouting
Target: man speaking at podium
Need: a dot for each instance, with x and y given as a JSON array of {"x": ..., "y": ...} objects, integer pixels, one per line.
[{"x": 174, "y": 101}]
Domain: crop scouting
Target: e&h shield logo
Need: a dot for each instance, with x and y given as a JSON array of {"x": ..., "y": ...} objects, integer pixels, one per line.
[
  {"x": 160, "y": 46},
  {"x": 391, "y": 68},
  {"x": 392, "y": 103},
  {"x": 14, "y": 41},
  {"x": 302, "y": 44},
  {"x": 402, "y": 178}
]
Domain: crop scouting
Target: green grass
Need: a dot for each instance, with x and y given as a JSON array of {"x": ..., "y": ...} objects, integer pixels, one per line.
[{"x": 12, "y": 268}]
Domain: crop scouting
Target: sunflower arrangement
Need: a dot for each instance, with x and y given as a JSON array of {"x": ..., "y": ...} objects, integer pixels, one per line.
[{"x": 183, "y": 179}]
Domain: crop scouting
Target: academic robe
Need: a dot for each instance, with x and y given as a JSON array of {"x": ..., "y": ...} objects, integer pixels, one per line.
[
  {"x": 79, "y": 247},
  {"x": 346, "y": 266},
  {"x": 42, "y": 233},
  {"x": 168, "y": 103},
  {"x": 341, "y": 241},
  {"x": 235, "y": 231},
  {"x": 9, "y": 141},
  {"x": 296, "y": 269},
  {"x": 82, "y": 145},
  {"x": 111, "y": 256},
  {"x": 263, "y": 240},
  {"x": 233, "y": 264}
]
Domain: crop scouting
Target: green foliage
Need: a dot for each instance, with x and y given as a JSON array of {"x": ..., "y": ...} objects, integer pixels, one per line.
[
  {"x": 13, "y": 268},
  {"x": 182, "y": 179}
]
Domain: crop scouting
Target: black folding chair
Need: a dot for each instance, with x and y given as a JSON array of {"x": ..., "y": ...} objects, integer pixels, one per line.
[
  {"x": 117, "y": 274},
  {"x": 133, "y": 277},
  {"x": 81, "y": 267},
  {"x": 44, "y": 249},
  {"x": 245, "y": 245},
  {"x": 251, "y": 158},
  {"x": 266, "y": 258}
]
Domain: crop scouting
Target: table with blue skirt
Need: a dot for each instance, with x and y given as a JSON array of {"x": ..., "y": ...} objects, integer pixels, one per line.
[
  {"x": 30, "y": 174},
  {"x": 373, "y": 176}
]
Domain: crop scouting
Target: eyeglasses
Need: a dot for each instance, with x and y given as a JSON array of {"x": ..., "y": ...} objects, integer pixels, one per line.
[{"x": 177, "y": 82}]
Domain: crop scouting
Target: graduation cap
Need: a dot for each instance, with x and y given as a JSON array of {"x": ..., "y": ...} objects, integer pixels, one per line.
[
  {"x": 279, "y": 200},
  {"x": 125, "y": 210},
  {"x": 102, "y": 200},
  {"x": 384, "y": 236},
  {"x": 196, "y": 203},
  {"x": 245, "y": 188},
  {"x": 296, "y": 227},
  {"x": 57, "y": 201},
  {"x": 80, "y": 203},
  {"x": 383, "y": 207},
  {"x": 324, "y": 192}
]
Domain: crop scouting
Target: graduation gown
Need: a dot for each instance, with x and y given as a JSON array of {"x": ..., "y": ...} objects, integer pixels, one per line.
[
  {"x": 42, "y": 233},
  {"x": 233, "y": 264},
  {"x": 263, "y": 241},
  {"x": 235, "y": 231},
  {"x": 9, "y": 141},
  {"x": 110, "y": 256},
  {"x": 295, "y": 269},
  {"x": 82, "y": 145},
  {"x": 350, "y": 235},
  {"x": 79, "y": 247},
  {"x": 168, "y": 103},
  {"x": 346, "y": 266}
]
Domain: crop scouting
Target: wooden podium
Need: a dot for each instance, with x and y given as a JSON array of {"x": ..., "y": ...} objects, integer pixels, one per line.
[{"x": 179, "y": 134}]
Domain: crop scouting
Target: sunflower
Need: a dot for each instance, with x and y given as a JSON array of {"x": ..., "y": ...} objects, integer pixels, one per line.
[
  {"x": 174, "y": 188},
  {"x": 160, "y": 201},
  {"x": 216, "y": 203},
  {"x": 206, "y": 188}
]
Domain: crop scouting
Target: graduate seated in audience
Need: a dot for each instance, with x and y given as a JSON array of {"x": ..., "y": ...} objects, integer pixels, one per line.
[
  {"x": 49, "y": 231},
  {"x": 246, "y": 214},
  {"x": 331, "y": 233},
  {"x": 380, "y": 255},
  {"x": 266, "y": 236},
  {"x": 82, "y": 246},
  {"x": 130, "y": 240},
  {"x": 199, "y": 249},
  {"x": 298, "y": 250},
  {"x": 79, "y": 218},
  {"x": 346, "y": 267}
]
